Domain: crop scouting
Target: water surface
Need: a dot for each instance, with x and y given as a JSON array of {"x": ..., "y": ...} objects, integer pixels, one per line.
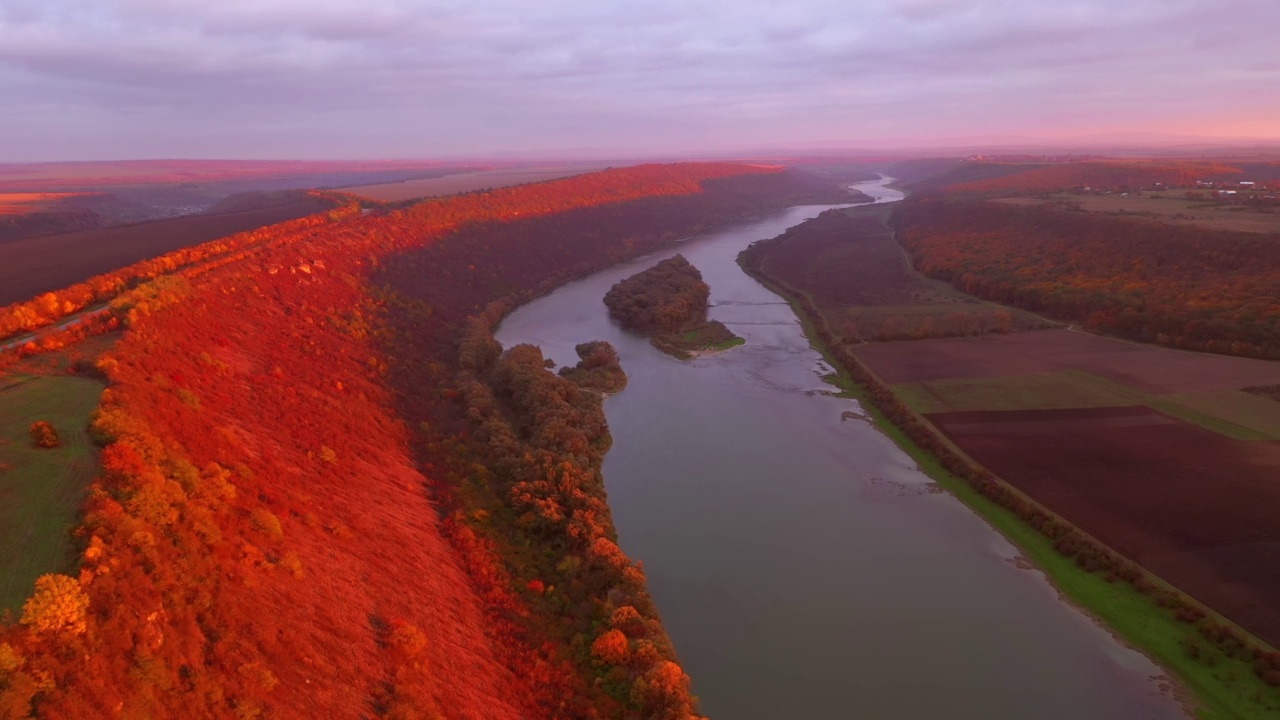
[{"x": 804, "y": 567}]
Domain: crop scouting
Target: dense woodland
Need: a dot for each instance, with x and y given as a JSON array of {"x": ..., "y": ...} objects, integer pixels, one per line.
[
  {"x": 326, "y": 492},
  {"x": 1176, "y": 285},
  {"x": 664, "y": 298},
  {"x": 668, "y": 302},
  {"x": 527, "y": 465},
  {"x": 598, "y": 368},
  {"x": 596, "y": 606}
]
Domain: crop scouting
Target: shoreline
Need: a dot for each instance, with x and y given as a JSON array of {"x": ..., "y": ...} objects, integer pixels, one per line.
[
  {"x": 1174, "y": 686},
  {"x": 1126, "y": 676},
  {"x": 695, "y": 354},
  {"x": 685, "y": 354}
]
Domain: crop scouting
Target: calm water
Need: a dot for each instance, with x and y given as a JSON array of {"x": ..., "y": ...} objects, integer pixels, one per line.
[{"x": 803, "y": 566}]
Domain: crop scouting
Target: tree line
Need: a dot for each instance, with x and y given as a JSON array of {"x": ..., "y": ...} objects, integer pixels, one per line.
[
  {"x": 979, "y": 178},
  {"x": 1175, "y": 285},
  {"x": 664, "y": 298}
]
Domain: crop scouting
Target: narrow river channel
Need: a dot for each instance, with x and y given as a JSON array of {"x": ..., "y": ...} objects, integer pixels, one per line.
[{"x": 804, "y": 567}]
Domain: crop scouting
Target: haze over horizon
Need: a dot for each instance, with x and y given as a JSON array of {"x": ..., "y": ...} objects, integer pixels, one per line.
[{"x": 113, "y": 79}]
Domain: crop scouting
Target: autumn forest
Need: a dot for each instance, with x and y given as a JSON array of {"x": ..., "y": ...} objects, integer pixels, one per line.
[{"x": 325, "y": 488}]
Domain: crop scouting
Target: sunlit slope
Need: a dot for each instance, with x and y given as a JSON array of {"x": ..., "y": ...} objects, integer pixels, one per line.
[{"x": 262, "y": 540}]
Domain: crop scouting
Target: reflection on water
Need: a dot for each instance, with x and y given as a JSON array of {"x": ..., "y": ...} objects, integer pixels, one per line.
[{"x": 803, "y": 566}]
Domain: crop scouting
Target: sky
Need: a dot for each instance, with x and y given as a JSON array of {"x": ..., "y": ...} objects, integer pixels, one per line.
[{"x": 349, "y": 79}]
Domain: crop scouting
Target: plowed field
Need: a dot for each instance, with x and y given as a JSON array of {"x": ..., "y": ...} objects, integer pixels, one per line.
[
  {"x": 1153, "y": 369},
  {"x": 1195, "y": 507},
  {"x": 31, "y": 266}
]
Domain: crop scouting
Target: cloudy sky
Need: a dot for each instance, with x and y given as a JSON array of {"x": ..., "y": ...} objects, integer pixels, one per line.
[{"x": 104, "y": 79}]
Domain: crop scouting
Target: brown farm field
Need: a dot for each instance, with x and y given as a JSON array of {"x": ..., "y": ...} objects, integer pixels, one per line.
[
  {"x": 464, "y": 182},
  {"x": 1148, "y": 368},
  {"x": 1194, "y": 507},
  {"x": 31, "y": 266},
  {"x": 848, "y": 257},
  {"x": 1171, "y": 207},
  {"x": 848, "y": 264},
  {"x": 1156, "y": 452}
]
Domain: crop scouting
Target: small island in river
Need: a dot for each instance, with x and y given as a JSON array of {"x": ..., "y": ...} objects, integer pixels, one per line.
[{"x": 668, "y": 302}]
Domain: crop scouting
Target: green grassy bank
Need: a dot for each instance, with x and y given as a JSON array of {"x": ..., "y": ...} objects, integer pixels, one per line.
[{"x": 41, "y": 489}]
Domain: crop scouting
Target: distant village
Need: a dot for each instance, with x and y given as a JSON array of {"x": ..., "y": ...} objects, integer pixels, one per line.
[
  {"x": 1233, "y": 192},
  {"x": 1245, "y": 189}
]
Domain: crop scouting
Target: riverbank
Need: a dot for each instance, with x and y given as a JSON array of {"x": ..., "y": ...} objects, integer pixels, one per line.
[
  {"x": 515, "y": 450},
  {"x": 801, "y": 564},
  {"x": 1141, "y": 610}
]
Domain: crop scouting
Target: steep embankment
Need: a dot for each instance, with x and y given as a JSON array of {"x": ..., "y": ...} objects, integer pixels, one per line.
[{"x": 260, "y": 541}]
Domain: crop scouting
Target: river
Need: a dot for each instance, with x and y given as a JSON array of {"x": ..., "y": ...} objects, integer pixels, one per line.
[{"x": 803, "y": 566}]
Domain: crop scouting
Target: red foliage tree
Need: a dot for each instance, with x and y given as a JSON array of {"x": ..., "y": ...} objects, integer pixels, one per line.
[{"x": 44, "y": 435}]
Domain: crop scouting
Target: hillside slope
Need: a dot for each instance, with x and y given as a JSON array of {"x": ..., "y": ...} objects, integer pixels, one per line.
[{"x": 266, "y": 538}]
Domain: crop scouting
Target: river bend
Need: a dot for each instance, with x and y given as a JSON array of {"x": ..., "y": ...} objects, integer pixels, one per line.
[{"x": 803, "y": 566}]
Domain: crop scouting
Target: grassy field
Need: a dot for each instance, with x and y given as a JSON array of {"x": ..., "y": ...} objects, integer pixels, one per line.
[
  {"x": 1235, "y": 414},
  {"x": 1255, "y": 413},
  {"x": 41, "y": 490},
  {"x": 1218, "y": 412},
  {"x": 1057, "y": 390},
  {"x": 1172, "y": 207},
  {"x": 710, "y": 336}
]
